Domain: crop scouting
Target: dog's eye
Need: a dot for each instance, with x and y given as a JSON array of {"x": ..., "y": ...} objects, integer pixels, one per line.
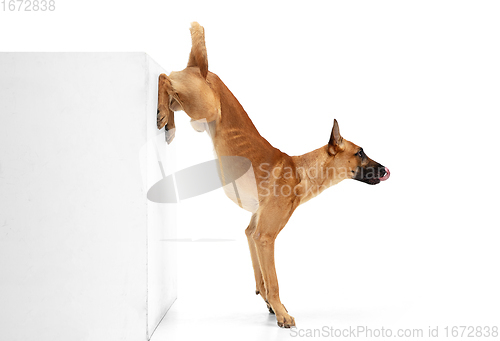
[{"x": 360, "y": 154}]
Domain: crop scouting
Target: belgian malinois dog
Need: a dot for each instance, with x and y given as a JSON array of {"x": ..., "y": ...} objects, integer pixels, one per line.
[{"x": 275, "y": 183}]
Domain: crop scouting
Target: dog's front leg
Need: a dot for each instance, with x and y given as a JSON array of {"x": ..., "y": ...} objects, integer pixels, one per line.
[
  {"x": 266, "y": 231},
  {"x": 165, "y": 115},
  {"x": 259, "y": 281}
]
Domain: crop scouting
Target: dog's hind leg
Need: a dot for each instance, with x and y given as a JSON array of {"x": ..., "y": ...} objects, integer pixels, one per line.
[
  {"x": 259, "y": 281},
  {"x": 267, "y": 228}
]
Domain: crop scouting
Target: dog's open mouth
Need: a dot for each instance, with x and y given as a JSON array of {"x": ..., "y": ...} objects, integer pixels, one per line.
[{"x": 386, "y": 175}]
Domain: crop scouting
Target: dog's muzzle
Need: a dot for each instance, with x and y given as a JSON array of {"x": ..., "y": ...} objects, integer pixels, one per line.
[{"x": 372, "y": 175}]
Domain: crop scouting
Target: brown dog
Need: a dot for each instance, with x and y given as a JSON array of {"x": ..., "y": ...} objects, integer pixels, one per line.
[{"x": 275, "y": 183}]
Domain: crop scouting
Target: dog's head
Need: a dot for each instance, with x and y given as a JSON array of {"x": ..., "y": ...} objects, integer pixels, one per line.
[{"x": 352, "y": 160}]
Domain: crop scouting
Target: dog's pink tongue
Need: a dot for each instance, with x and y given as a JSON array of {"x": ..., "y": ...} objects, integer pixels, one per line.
[{"x": 387, "y": 175}]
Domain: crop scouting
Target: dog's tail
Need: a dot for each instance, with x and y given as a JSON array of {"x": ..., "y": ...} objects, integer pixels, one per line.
[{"x": 198, "y": 55}]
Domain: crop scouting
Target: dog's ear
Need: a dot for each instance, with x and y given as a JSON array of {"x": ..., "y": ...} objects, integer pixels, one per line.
[{"x": 336, "y": 143}]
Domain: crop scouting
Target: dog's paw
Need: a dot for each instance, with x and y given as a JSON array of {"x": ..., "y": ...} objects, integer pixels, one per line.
[
  {"x": 285, "y": 320},
  {"x": 169, "y": 135},
  {"x": 161, "y": 117}
]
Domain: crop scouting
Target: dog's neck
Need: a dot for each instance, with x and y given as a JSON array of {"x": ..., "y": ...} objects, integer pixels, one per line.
[{"x": 316, "y": 172}]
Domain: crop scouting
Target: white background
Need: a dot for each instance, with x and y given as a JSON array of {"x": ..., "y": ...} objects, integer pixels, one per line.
[{"x": 416, "y": 84}]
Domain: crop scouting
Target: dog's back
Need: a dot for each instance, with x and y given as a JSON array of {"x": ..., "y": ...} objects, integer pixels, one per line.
[{"x": 213, "y": 107}]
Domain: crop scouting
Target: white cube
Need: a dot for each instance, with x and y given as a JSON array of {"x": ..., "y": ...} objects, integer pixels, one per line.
[{"x": 83, "y": 252}]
